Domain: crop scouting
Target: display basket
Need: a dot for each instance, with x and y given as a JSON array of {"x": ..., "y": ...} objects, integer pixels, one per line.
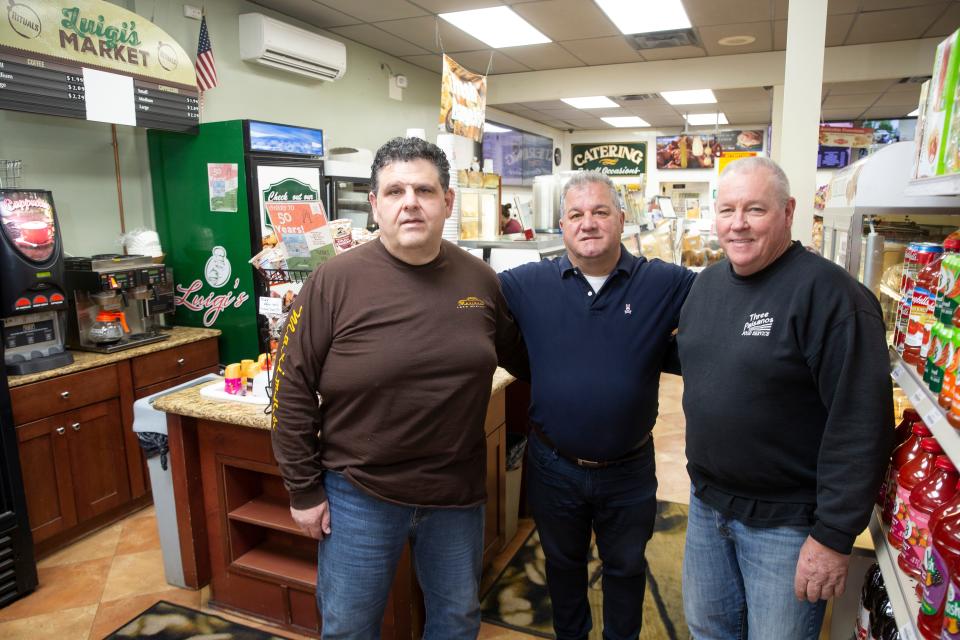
[{"x": 282, "y": 276}]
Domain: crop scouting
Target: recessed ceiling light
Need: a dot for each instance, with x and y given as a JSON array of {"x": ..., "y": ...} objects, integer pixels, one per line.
[
  {"x": 736, "y": 41},
  {"x": 496, "y": 26},
  {"x": 591, "y": 102},
  {"x": 626, "y": 121},
  {"x": 694, "y": 96},
  {"x": 644, "y": 16},
  {"x": 913, "y": 114},
  {"x": 489, "y": 127},
  {"x": 697, "y": 119}
]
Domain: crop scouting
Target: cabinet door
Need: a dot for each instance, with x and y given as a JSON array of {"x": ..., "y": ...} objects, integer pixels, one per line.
[
  {"x": 495, "y": 515},
  {"x": 97, "y": 458},
  {"x": 45, "y": 464}
]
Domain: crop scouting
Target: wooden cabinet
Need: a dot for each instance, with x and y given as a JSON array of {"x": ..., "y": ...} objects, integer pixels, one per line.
[
  {"x": 47, "y": 481},
  {"x": 495, "y": 521}
]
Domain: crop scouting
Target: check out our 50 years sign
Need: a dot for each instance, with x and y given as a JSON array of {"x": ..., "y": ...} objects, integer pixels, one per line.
[{"x": 611, "y": 158}]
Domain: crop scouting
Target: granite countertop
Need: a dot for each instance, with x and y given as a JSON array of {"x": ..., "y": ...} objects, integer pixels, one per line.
[
  {"x": 189, "y": 402},
  {"x": 83, "y": 360}
]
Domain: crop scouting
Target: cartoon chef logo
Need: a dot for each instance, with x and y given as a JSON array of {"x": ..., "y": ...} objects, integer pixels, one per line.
[{"x": 217, "y": 270}]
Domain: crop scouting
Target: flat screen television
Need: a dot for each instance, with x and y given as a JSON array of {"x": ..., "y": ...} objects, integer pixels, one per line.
[
  {"x": 833, "y": 157},
  {"x": 518, "y": 156}
]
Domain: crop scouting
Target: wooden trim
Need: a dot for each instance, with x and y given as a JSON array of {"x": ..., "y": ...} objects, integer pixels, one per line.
[
  {"x": 188, "y": 498},
  {"x": 138, "y": 483},
  {"x": 55, "y": 543}
]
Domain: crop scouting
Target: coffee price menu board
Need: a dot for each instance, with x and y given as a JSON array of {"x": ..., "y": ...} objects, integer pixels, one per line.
[{"x": 51, "y": 88}]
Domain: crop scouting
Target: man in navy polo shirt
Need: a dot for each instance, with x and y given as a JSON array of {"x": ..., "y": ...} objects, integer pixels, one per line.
[{"x": 597, "y": 323}]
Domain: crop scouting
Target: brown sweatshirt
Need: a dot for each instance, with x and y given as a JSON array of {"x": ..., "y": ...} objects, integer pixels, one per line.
[{"x": 403, "y": 357}]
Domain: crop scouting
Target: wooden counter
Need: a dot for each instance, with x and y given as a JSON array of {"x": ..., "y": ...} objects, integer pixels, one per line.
[{"x": 234, "y": 522}]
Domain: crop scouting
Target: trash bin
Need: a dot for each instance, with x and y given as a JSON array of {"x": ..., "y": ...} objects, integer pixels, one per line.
[
  {"x": 516, "y": 444},
  {"x": 150, "y": 426}
]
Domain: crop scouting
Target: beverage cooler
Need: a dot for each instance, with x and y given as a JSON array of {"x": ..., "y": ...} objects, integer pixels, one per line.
[
  {"x": 347, "y": 192},
  {"x": 209, "y": 191}
]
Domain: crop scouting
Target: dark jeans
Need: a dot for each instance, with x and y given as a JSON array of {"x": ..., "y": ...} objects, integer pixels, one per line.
[{"x": 620, "y": 504}]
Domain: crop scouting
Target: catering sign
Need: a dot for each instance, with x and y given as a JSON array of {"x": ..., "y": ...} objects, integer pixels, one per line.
[
  {"x": 94, "y": 34},
  {"x": 463, "y": 100},
  {"x": 611, "y": 158},
  {"x": 856, "y": 137}
]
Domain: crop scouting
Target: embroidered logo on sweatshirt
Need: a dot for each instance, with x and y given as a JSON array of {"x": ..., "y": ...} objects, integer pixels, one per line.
[
  {"x": 759, "y": 324},
  {"x": 471, "y": 302}
]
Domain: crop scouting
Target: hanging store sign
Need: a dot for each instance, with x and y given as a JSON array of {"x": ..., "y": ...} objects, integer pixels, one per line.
[
  {"x": 856, "y": 137},
  {"x": 463, "y": 100},
  {"x": 611, "y": 158},
  {"x": 51, "y": 51},
  {"x": 731, "y": 156}
]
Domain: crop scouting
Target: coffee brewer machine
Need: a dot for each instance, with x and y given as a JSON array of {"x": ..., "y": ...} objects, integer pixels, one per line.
[
  {"x": 33, "y": 305},
  {"x": 117, "y": 302}
]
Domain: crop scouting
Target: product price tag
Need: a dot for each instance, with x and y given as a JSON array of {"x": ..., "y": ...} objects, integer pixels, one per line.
[
  {"x": 931, "y": 416},
  {"x": 897, "y": 373},
  {"x": 270, "y": 306},
  {"x": 917, "y": 397}
]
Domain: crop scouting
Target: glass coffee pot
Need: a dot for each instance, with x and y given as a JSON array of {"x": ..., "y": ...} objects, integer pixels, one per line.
[{"x": 109, "y": 327}]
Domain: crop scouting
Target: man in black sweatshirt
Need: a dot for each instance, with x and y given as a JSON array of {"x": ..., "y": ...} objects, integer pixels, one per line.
[{"x": 789, "y": 412}]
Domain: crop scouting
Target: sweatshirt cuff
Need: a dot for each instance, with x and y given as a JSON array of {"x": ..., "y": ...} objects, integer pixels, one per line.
[
  {"x": 833, "y": 538},
  {"x": 309, "y": 497}
]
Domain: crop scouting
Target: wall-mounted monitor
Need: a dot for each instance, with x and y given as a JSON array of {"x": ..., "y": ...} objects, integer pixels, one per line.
[{"x": 518, "y": 156}]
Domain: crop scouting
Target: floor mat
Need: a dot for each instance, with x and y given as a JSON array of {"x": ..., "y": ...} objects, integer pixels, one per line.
[
  {"x": 519, "y": 599},
  {"x": 166, "y": 621}
]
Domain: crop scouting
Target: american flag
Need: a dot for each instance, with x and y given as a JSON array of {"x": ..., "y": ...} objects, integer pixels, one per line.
[{"x": 206, "y": 65}]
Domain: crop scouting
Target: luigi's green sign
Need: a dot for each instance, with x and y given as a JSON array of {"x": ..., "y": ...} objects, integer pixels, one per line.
[{"x": 611, "y": 158}]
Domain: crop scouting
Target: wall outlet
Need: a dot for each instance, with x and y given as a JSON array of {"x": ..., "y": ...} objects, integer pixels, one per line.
[{"x": 189, "y": 11}]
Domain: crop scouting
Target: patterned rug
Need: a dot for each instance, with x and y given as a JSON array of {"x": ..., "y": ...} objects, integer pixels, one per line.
[
  {"x": 166, "y": 621},
  {"x": 519, "y": 598}
]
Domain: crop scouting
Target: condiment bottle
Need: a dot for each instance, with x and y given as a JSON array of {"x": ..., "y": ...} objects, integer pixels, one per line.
[
  {"x": 903, "y": 454},
  {"x": 911, "y": 474},
  {"x": 926, "y": 497},
  {"x": 938, "y": 560}
]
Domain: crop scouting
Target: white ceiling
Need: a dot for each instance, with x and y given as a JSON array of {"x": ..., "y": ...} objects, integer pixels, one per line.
[{"x": 583, "y": 36}]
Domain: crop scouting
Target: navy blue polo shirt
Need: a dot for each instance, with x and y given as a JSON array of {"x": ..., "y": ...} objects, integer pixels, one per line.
[{"x": 595, "y": 358}]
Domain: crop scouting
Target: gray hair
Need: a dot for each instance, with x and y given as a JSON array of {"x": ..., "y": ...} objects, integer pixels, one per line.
[
  {"x": 758, "y": 163},
  {"x": 408, "y": 150},
  {"x": 584, "y": 178}
]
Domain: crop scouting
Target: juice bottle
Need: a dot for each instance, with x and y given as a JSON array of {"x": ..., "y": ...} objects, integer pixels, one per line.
[
  {"x": 936, "y": 358},
  {"x": 926, "y": 497},
  {"x": 901, "y": 433},
  {"x": 944, "y": 376},
  {"x": 903, "y": 454},
  {"x": 870, "y": 581},
  {"x": 911, "y": 474},
  {"x": 950, "y": 288},
  {"x": 921, "y": 314},
  {"x": 938, "y": 561}
]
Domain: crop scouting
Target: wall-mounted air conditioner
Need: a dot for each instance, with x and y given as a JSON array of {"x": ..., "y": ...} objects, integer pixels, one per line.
[{"x": 278, "y": 44}]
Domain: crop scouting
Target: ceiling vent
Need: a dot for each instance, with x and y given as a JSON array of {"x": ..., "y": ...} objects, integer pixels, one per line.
[
  {"x": 637, "y": 97},
  {"x": 663, "y": 39},
  {"x": 913, "y": 80}
]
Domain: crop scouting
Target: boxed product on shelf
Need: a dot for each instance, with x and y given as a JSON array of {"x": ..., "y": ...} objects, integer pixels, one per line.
[
  {"x": 940, "y": 100},
  {"x": 951, "y": 154}
]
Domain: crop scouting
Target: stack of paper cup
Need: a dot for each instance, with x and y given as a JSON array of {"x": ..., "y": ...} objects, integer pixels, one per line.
[
  {"x": 451, "y": 227},
  {"x": 417, "y": 133}
]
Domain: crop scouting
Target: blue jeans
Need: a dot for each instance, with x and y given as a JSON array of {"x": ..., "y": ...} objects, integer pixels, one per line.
[
  {"x": 358, "y": 560},
  {"x": 738, "y": 580},
  {"x": 620, "y": 504}
]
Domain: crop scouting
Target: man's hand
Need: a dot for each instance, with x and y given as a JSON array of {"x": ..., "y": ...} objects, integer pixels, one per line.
[
  {"x": 315, "y": 521},
  {"x": 821, "y": 572}
]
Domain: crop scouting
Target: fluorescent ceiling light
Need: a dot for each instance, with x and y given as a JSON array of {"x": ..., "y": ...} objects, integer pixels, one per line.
[
  {"x": 694, "y": 96},
  {"x": 914, "y": 113},
  {"x": 496, "y": 27},
  {"x": 644, "y": 16},
  {"x": 591, "y": 102},
  {"x": 626, "y": 121},
  {"x": 489, "y": 127},
  {"x": 705, "y": 118}
]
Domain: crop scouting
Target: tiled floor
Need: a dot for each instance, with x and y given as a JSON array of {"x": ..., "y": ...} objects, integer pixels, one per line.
[{"x": 92, "y": 587}]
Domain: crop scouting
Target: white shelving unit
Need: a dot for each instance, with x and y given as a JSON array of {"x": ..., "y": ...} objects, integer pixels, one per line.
[
  {"x": 925, "y": 402},
  {"x": 900, "y": 588},
  {"x": 938, "y": 186}
]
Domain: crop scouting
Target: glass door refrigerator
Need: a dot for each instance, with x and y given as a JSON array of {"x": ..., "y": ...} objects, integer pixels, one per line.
[
  {"x": 209, "y": 191},
  {"x": 347, "y": 191}
]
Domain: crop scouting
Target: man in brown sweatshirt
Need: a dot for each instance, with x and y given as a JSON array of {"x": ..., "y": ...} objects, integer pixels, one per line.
[{"x": 399, "y": 338}]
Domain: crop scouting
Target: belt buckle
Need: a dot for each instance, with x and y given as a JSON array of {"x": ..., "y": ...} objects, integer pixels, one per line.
[{"x": 590, "y": 464}]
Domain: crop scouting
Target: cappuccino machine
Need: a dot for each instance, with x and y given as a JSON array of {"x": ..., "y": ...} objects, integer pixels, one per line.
[
  {"x": 33, "y": 302},
  {"x": 117, "y": 302}
]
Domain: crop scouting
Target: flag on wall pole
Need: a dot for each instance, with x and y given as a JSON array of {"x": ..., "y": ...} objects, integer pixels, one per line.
[{"x": 206, "y": 65}]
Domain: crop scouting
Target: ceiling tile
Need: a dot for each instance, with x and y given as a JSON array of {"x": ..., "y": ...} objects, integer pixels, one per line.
[
  {"x": 549, "y": 105},
  {"x": 896, "y": 24},
  {"x": 710, "y": 12},
  {"x": 610, "y": 50},
  {"x": 743, "y": 95},
  {"x": 862, "y": 100},
  {"x": 779, "y": 35},
  {"x": 310, "y": 12},
  {"x": 756, "y": 117},
  {"x": 665, "y": 121},
  {"x": 374, "y": 11},
  {"x": 672, "y": 53},
  {"x": 879, "y": 5},
  {"x": 780, "y": 9},
  {"x": 832, "y": 115},
  {"x": 837, "y": 28},
  {"x": 710, "y": 35},
  {"x": 586, "y": 122},
  {"x": 430, "y": 62},
  {"x": 378, "y": 39},
  {"x": 447, "y": 6},
  {"x": 888, "y": 112},
  {"x": 422, "y": 31},
  {"x": 542, "y": 56},
  {"x": 567, "y": 19},
  {"x": 945, "y": 24},
  {"x": 477, "y": 62},
  {"x": 556, "y": 124},
  {"x": 862, "y": 86},
  {"x": 898, "y": 99},
  {"x": 734, "y": 105},
  {"x": 833, "y": 7},
  {"x": 905, "y": 87}
]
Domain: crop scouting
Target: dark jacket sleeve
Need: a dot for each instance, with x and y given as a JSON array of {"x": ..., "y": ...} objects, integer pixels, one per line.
[
  {"x": 671, "y": 359},
  {"x": 511, "y": 350},
  {"x": 297, "y": 421},
  {"x": 852, "y": 373}
]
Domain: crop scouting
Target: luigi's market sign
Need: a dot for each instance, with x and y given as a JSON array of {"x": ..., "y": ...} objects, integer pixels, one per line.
[
  {"x": 611, "y": 158},
  {"x": 96, "y": 34}
]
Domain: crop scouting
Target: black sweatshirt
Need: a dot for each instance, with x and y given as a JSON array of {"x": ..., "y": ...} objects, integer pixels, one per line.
[{"x": 787, "y": 395}]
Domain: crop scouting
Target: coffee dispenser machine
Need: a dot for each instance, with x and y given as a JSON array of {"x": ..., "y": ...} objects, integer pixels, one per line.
[
  {"x": 33, "y": 304},
  {"x": 117, "y": 302}
]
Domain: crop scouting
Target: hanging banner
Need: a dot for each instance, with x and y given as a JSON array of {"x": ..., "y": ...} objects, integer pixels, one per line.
[
  {"x": 687, "y": 151},
  {"x": 731, "y": 156},
  {"x": 856, "y": 137},
  {"x": 611, "y": 158},
  {"x": 463, "y": 100},
  {"x": 741, "y": 140}
]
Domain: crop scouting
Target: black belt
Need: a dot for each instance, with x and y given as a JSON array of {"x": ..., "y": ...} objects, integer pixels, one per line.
[{"x": 634, "y": 453}]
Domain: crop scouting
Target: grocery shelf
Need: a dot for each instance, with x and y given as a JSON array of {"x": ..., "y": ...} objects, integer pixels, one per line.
[
  {"x": 925, "y": 402},
  {"x": 901, "y": 589},
  {"x": 936, "y": 186},
  {"x": 890, "y": 293}
]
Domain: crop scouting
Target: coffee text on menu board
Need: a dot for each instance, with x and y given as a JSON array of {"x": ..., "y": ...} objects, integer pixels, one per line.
[{"x": 93, "y": 35}]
